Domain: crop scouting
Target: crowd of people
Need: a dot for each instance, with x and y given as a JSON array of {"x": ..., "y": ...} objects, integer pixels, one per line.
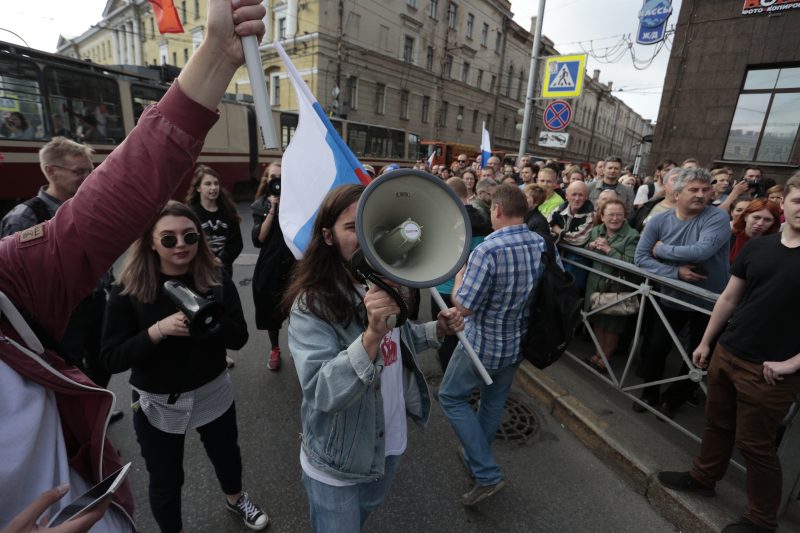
[{"x": 359, "y": 374}]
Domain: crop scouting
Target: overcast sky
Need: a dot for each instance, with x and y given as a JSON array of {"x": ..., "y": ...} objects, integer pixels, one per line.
[{"x": 574, "y": 26}]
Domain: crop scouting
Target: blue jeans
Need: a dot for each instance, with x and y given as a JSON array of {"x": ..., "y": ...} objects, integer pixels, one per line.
[
  {"x": 476, "y": 431},
  {"x": 345, "y": 509}
]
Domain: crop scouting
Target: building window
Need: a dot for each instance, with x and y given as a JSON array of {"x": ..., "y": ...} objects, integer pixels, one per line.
[
  {"x": 197, "y": 37},
  {"x": 351, "y": 92},
  {"x": 185, "y": 56},
  {"x": 433, "y": 11},
  {"x": 162, "y": 52},
  {"x": 452, "y": 9},
  {"x": 429, "y": 59},
  {"x": 480, "y": 79},
  {"x": 509, "y": 80},
  {"x": 175, "y": 58},
  {"x": 183, "y": 11},
  {"x": 498, "y": 41},
  {"x": 152, "y": 27},
  {"x": 470, "y": 24},
  {"x": 380, "y": 98},
  {"x": 196, "y": 9},
  {"x": 489, "y": 125},
  {"x": 484, "y": 34},
  {"x": 475, "y": 121},
  {"x": 282, "y": 28},
  {"x": 443, "y": 115},
  {"x": 448, "y": 66},
  {"x": 408, "y": 49},
  {"x": 411, "y": 3},
  {"x": 460, "y": 118},
  {"x": 383, "y": 35},
  {"x": 404, "y": 104},
  {"x": 275, "y": 94},
  {"x": 521, "y": 82},
  {"x": 765, "y": 123},
  {"x": 465, "y": 72},
  {"x": 492, "y": 83},
  {"x": 426, "y": 109}
]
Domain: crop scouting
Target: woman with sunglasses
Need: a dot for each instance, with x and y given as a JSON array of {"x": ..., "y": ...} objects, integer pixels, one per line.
[
  {"x": 274, "y": 264},
  {"x": 179, "y": 382},
  {"x": 217, "y": 213}
]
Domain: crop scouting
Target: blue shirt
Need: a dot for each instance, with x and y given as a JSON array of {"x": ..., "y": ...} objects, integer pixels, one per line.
[
  {"x": 702, "y": 240},
  {"x": 498, "y": 279}
]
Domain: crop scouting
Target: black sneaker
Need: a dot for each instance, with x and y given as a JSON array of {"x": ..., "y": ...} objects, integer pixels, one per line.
[
  {"x": 683, "y": 481},
  {"x": 481, "y": 492},
  {"x": 253, "y": 517},
  {"x": 745, "y": 526}
]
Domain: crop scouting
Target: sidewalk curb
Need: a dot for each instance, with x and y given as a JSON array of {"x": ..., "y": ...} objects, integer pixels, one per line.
[{"x": 592, "y": 431}]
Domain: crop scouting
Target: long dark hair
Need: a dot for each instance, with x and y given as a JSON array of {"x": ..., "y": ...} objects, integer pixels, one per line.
[
  {"x": 140, "y": 273},
  {"x": 224, "y": 200},
  {"x": 320, "y": 276}
]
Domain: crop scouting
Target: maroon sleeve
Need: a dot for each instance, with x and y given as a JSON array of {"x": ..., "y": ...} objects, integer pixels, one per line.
[{"x": 48, "y": 269}]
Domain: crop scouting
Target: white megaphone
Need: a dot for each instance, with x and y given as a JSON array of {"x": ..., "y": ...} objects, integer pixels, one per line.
[{"x": 412, "y": 229}]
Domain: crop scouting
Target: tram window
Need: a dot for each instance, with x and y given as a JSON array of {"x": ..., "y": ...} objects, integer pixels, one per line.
[
  {"x": 397, "y": 144},
  {"x": 288, "y": 127},
  {"x": 21, "y": 104},
  {"x": 89, "y": 104},
  {"x": 378, "y": 142},
  {"x": 142, "y": 97},
  {"x": 357, "y": 138},
  {"x": 414, "y": 147}
]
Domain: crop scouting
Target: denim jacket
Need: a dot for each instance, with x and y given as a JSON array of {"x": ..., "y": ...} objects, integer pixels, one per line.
[{"x": 342, "y": 408}]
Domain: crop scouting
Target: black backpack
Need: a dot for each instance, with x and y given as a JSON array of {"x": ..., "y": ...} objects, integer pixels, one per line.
[{"x": 555, "y": 313}]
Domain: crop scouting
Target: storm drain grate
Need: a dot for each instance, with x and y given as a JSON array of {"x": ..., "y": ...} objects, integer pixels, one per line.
[{"x": 519, "y": 422}]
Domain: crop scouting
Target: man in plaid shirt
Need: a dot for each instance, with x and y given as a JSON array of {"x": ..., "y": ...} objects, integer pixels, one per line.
[{"x": 492, "y": 292}]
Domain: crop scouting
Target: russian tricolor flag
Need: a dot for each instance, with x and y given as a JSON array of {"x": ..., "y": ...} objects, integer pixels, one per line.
[
  {"x": 316, "y": 161},
  {"x": 486, "y": 146}
]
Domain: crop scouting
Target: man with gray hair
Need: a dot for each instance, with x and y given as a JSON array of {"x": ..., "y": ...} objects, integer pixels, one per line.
[{"x": 688, "y": 243}]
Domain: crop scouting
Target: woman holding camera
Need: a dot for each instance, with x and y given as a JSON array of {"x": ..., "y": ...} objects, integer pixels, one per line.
[
  {"x": 275, "y": 261},
  {"x": 217, "y": 213},
  {"x": 179, "y": 382}
]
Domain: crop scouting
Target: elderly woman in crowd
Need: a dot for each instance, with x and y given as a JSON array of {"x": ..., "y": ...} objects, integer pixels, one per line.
[{"x": 615, "y": 238}]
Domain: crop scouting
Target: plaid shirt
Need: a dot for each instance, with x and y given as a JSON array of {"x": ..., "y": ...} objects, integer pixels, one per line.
[{"x": 499, "y": 276}]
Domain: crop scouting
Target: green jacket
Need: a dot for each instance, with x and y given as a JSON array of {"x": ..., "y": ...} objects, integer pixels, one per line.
[{"x": 623, "y": 247}]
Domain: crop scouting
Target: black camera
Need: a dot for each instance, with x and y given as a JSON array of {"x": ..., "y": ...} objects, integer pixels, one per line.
[{"x": 274, "y": 186}]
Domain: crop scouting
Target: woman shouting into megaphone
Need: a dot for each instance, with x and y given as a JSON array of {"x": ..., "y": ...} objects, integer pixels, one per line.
[{"x": 359, "y": 375}]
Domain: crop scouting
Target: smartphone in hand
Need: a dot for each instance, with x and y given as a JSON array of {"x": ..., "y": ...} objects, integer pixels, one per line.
[{"x": 91, "y": 498}]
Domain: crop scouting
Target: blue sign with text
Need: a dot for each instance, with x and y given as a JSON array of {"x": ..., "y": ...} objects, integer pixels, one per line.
[{"x": 653, "y": 21}]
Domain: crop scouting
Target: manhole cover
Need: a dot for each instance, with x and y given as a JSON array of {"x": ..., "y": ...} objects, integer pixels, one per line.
[{"x": 519, "y": 422}]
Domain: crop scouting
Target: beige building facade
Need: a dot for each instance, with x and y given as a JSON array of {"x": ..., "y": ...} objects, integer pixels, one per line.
[{"x": 436, "y": 68}]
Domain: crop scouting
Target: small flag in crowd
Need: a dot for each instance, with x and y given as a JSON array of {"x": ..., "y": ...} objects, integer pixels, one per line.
[
  {"x": 486, "y": 146},
  {"x": 166, "y": 16},
  {"x": 316, "y": 160},
  {"x": 432, "y": 157}
]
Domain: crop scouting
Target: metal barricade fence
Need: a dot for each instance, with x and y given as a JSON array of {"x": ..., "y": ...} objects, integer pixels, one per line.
[{"x": 651, "y": 289}]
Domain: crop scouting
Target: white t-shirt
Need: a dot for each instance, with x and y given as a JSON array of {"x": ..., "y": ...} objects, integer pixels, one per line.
[{"x": 394, "y": 409}]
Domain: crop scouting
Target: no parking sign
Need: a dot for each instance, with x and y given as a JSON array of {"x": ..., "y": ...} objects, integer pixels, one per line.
[{"x": 557, "y": 115}]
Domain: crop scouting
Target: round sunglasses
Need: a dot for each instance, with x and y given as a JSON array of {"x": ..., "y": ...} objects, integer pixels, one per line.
[{"x": 171, "y": 241}]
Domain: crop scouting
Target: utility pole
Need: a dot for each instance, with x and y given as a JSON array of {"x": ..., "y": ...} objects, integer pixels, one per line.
[
  {"x": 529, "y": 101},
  {"x": 337, "y": 91}
]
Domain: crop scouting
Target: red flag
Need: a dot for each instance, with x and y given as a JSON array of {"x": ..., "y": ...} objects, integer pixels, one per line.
[{"x": 167, "y": 16}]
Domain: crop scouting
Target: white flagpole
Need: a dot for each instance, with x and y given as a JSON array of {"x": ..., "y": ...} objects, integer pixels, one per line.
[
  {"x": 258, "y": 84},
  {"x": 464, "y": 342}
]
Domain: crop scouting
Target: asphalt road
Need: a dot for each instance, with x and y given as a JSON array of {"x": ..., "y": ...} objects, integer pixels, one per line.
[{"x": 554, "y": 482}]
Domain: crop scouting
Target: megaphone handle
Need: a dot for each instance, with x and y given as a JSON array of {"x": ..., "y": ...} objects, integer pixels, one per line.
[
  {"x": 464, "y": 342},
  {"x": 391, "y": 320}
]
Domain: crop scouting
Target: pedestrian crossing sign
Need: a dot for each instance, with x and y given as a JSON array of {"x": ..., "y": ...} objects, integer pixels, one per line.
[{"x": 563, "y": 76}]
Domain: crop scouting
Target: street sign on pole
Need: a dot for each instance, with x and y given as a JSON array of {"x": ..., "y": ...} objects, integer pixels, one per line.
[
  {"x": 553, "y": 139},
  {"x": 563, "y": 76},
  {"x": 557, "y": 115}
]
